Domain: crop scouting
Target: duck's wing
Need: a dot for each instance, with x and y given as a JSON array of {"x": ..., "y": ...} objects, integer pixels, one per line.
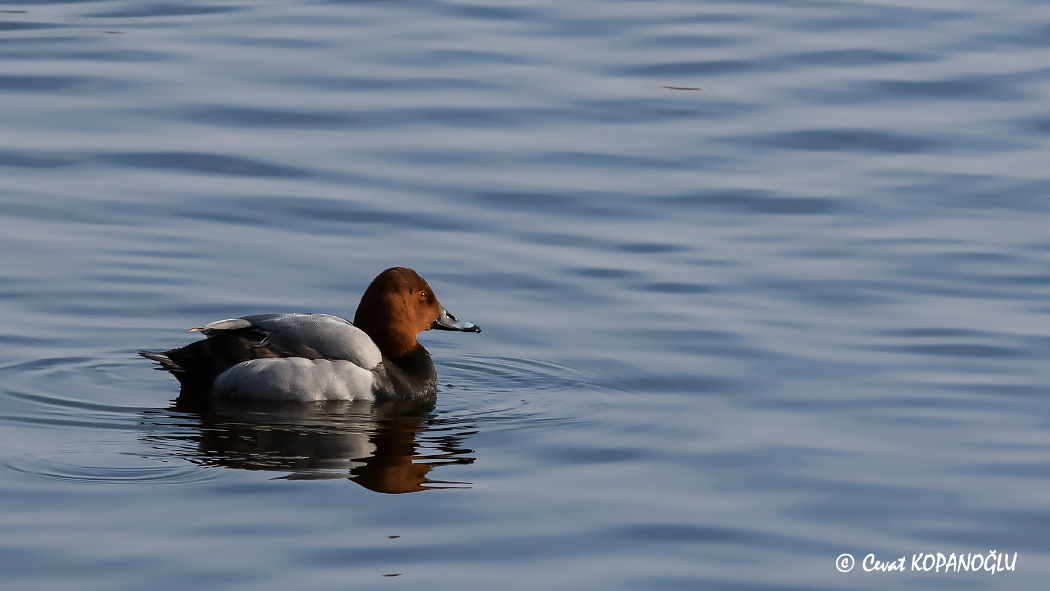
[{"x": 312, "y": 336}]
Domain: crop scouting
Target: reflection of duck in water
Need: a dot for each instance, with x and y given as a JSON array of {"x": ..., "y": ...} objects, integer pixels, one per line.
[
  {"x": 317, "y": 357},
  {"x": 384, "y": 448}
]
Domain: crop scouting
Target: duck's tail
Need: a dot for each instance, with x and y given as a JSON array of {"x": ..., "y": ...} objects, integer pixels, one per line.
[{"x": 165, "y": 362}]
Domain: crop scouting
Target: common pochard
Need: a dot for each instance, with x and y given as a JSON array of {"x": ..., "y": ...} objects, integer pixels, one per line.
[{"x": 317, "y": 357}]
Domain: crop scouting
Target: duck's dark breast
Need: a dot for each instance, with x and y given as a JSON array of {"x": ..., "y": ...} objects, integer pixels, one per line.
[{"x": 409, "y": 377}]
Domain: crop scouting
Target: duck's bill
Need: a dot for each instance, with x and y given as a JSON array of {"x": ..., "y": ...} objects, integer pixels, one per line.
[{"x": 447, "y": 321}]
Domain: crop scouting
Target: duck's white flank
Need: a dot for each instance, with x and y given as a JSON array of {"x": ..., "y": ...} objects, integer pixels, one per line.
[{"x": 295, "y": 379}]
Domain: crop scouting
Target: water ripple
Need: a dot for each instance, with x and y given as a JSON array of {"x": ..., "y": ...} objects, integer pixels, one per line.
[{"x": 80, "y": 468}]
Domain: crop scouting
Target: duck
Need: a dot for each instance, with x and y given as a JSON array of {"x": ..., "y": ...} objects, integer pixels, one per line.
[{"x": 296, "y": 357}]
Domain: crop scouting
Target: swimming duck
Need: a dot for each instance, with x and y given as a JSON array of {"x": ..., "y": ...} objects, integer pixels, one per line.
[{"x": 317, "y": 357}]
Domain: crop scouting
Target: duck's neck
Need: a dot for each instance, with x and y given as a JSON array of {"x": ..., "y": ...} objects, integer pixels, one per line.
[
  {"x": 417, "y": 361},
  {"x": 377, "y": 316},
  {"x": 394, "y": 345}
]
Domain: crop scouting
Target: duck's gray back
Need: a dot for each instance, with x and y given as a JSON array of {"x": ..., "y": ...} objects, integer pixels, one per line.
[{"x": 311, "y": 336}]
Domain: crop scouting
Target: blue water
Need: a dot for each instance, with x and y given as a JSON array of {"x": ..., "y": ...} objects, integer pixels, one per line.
[{"x": 761, "y": 283}]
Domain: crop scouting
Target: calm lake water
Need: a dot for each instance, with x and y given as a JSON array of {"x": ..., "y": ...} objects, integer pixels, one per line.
[{"x": 762, "y": 283}]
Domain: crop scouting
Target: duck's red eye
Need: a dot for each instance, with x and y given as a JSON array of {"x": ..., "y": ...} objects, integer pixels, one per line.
[{"x": 422, "y": 295}]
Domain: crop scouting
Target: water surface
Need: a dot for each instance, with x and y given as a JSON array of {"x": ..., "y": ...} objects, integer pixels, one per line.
[{"x": 762, "y": 283}]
